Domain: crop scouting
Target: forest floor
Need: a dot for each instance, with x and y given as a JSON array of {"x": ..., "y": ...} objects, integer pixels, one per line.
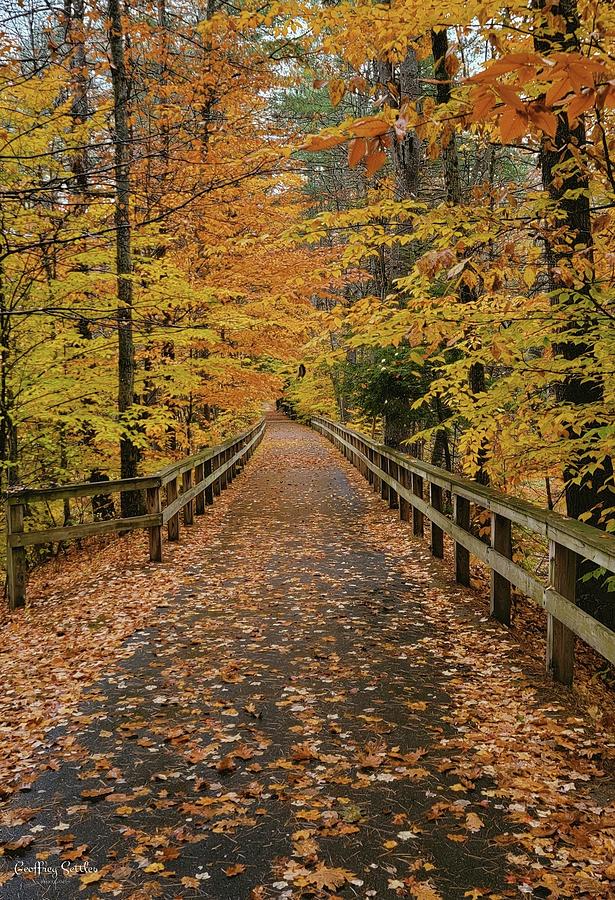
[{"x": 298, "y": 702}]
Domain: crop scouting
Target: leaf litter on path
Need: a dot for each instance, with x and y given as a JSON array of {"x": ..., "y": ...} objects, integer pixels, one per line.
[{"x": 298, "y": 703}]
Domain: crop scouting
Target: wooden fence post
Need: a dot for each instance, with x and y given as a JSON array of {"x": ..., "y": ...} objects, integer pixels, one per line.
[
  {"x": 173, "y": 523},
  {"x": 16, "y": 563},
  {"x": 152, "y": 501},
  {"x": 461, "y": 514},
  {"x": 199, "y": 500},
  {"x": 437, "y": 535},
  {"x": 501, "y": 540},
  {"x": 187, "y": 482},
  {"x": 209, "y": 490},
  {"x": 418, "y": 519},
  {"x": 560, "y": 640},
  {"x": 384, "y": 488},
  {"x": 224, "y": 478},
  {"x": 393, "y": 495},
  {"x": 364, "y": 466},
  {"x": 405, "y": 510},
  {"x": 378, "y": 463},
  {"x": 216, "y": 461}
]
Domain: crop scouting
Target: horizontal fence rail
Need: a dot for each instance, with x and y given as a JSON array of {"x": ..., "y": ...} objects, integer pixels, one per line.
[
  {"x": 403, "y": 481},
  {"x": 189, "y": 485}
]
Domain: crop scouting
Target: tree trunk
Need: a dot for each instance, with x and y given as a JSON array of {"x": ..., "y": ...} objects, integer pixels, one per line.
[
  {"x": 568, "y": 187},
  {"x": 75, "y": 42},
  {"x": 452, "y": 184},
  {"x": 9, "y": 473},
  {"x": 450, "y": 159},
  {"x": 129, "y": 452}
]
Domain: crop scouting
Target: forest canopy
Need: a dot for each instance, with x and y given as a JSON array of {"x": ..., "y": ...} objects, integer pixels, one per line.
[{"x": 413, "y": 201}]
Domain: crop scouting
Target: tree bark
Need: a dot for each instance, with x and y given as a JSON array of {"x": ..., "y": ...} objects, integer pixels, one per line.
[
  {"x": 74, "y": 26},
  {"x": 9, "y": 473},
  {"x": 450, "y": 159},
  {"x": 568, "y": 187},
  {"x": 129, "y": 452},
  {"x": 452, "y": 184}
]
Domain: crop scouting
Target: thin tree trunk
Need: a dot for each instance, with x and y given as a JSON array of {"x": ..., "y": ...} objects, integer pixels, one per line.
[
  {"x": 129, "y": 452},
  {"x": 452, "y": 183},
  {"x": 9, "y": 473},
  {"x": 75, "y": 39}
]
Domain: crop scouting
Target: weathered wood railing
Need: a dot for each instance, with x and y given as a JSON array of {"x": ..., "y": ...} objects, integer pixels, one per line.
[
  {"x": 402, "y": 480},
  {"x": 189, "y": 485}
]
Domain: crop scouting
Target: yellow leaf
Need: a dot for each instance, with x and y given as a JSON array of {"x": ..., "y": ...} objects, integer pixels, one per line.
[
  {"x": 473, "y": 822},
  {"x": 310, "y": 815},
  {"x": 337, "y": 89},
  {"x": 154, "y": 867}
]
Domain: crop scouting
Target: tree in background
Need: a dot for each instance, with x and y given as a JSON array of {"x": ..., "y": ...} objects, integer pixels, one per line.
[
  {"x": 506, "y": 291},
  {"x": 145, "y": 300}
]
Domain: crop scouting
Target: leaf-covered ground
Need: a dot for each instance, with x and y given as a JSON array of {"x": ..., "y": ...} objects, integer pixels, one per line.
[{"x": 299, "y": 702}]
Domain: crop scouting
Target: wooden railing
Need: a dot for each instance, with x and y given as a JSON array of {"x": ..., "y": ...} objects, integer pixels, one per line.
[
  {"x": 402, "y": 481},
  {"x": 189, "y": 485}
]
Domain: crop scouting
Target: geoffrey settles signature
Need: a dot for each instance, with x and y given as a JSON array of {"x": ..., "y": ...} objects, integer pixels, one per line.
[{"x": 66, "y": 869}]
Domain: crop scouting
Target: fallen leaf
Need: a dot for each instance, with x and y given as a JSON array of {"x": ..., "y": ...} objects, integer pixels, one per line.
[
  {"x": 473, "y": 822},
  {"x": 324, "y": 877},
  {"x": 17, "y": 845},
  {"x": 154, "y": 867},
  {"x": 233, "y": 870},
  {"x": 226, "y": 765}
]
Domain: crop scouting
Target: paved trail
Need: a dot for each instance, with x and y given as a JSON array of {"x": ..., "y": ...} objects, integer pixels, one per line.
[{"x": 316, "y": 708}]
